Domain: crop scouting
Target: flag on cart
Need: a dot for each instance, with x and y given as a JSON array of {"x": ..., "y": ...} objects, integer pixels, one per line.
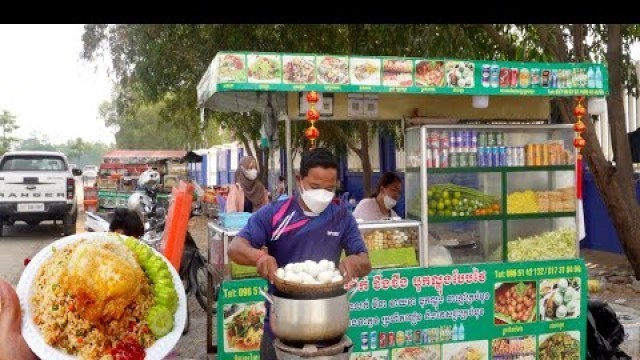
[{"x": 579, "y": 206}]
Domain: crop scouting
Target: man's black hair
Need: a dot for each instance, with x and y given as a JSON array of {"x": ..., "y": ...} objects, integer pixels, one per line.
[
  {"x": 318, "y": 157},
  {"x": 128, "y": 221}
]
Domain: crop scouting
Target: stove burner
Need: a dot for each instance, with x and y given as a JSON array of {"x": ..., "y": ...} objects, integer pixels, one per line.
[
  {"x": 318, "y": 344},
  {"x": 338, "y": 349}
]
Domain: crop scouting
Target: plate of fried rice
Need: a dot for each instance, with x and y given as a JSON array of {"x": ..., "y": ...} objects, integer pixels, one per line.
[{"x": 100, "y": 296}]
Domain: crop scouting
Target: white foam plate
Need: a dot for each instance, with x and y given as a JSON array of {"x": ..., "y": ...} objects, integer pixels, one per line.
[{"x": 31, "y": 332}]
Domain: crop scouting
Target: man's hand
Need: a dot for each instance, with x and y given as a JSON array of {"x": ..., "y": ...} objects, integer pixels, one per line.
[
  {"x": 267, "y": 266},
  {"x": 12, "y": 344},
  {"x": 354, "y": 266}
]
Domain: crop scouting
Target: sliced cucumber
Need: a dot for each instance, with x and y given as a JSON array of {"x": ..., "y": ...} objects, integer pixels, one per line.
[{"x": 160, "y": 321}]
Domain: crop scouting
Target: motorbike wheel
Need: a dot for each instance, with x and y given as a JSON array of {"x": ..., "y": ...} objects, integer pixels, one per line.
[{"x": 198, "y": 275}]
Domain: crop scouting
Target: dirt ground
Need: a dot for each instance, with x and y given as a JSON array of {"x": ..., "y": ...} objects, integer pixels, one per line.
[{"x": 617, "y": 282}]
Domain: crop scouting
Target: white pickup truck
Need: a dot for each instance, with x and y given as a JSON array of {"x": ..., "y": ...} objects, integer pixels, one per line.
[{"x": 36, "y": 186}]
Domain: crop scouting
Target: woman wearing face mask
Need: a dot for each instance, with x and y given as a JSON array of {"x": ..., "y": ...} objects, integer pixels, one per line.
[
  {"x": 307, "y": 226},
  {"x": 380, "y": 205},
  {"x": 247, "y": 194}
]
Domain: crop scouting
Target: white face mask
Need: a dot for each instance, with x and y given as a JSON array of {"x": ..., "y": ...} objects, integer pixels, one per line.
[
  {"x": 251, "y": 174},
  {"x": 389, "y": 202},
  {"x": 316, "y": 200}
]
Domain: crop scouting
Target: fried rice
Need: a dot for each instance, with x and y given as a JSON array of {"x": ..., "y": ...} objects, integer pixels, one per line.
[{"x": 55, "y": 314}]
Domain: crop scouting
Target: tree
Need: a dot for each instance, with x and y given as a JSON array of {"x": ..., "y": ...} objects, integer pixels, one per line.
[{"x": 8, "y": 125}]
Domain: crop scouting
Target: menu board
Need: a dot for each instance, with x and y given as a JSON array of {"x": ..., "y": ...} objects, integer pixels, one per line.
[
  {"x": 331, "y": 73},
  {"x": 502, "y": 311}
]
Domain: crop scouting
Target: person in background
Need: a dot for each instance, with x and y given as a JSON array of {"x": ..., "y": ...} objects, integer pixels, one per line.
[
  {"x": 12, "y": 344},
  {"x": 307, "y": 226},
  {"x": 126, "y": 222},
  {"x": 281, "y": 189},
  {"x": 247, "y": 194},
  {"x": 380, "y": 205}
]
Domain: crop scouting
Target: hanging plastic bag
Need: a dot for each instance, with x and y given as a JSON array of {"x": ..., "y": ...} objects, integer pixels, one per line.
[
  {"x": 439, "y": 256},
  {"x": 605, "y": 333}
]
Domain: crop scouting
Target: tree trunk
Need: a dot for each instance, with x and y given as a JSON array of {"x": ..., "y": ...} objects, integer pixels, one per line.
[
  {"x": 615, "y": 184},
  {"x": 363, "y": 154}
]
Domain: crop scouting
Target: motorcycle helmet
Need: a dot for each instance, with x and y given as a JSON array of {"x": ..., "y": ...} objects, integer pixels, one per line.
[
  {"x": 149, "y": 178},
  {"x": 138, "y": 202}
]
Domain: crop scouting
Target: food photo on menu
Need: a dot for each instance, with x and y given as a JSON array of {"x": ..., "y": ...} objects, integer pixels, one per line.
[
  {"x": 364, "y": 71},
  {"x": 560, "y": 299},
  {"x": 397, "y": 72},
  {"x": 514, "y": 348},
  {"x": 243, "y": 326},
  {"x": 333, "y": 70},
  {"x": 299, "y": 69},
  {"x": 430, "y": 73},
  {"x": 232, "y": 68},
  {"x": 515, "y": 303},
  {"x": 429, "y": 352},
  {"x": 471, "y": 350},
  {"x": 264, "y": 69},
  {"x": 563, "y": 345}
]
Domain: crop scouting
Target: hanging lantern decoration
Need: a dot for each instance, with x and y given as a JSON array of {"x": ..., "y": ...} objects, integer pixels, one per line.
[{"x": 312, "y": 133}]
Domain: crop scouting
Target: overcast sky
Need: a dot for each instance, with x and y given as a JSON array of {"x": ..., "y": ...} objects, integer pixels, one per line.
[
  {"x": 49, "y": 89},
  {"x": 45, "y": 84}
]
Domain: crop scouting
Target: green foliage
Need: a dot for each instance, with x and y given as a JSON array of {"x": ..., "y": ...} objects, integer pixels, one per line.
[
  {"x": 78, "y": 151},
  {"x": 8, "y": 126}
]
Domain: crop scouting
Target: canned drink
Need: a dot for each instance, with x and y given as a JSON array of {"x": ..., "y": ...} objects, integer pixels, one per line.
[
  {"x": 382, "y": 340},
  {"x": 391, "y": 339},
  {"x": 495, "y": 76},
  {"x": 531, "y": 157},
  {"x": 445, "y": 140},
  {"x": 554, "y": 79},
  {"x": 472, "y": 159},
  {"x": 538, "y": 154},
  {"x": 515, "y": 75},
  {"x": 435, "y": 157},
  {"x": 545, "y": 154},
  {"x": 417, "y": 337},
  {"x": 463, "y": 160},
  {"x": 453, "y": 160},
  {"x": 444, "y": 159},
  {"x": 474, "y": 141},
  {"x": 525, "y": 78},
  {"x": 505, "y": 77},
  {"x": 495, "y": 156},
  {"x": 521, "y": 156},
  {"x": 499, "y": 138},
  {"x": 502, "y": 156},
  {"x": 535, "y": 77},
  {"x": 482, "y": 138},
  {"x": 545, "y": 78},
  {"x": 400, "y": 338},
  {"x": 434, "y": 139},
  {"x": 491, "y": 139},
  {"x": 510, "y": 157},
  {"x": 373, "y": 340},
  {"x": 364, "y": 341},
  {"x": 486, "y": 75},
  {"x": 408, "y": 337},
  {"x": 480, "y": 157},
  {"x": 429, "y": 158},
  {"x": 425, "y": 336}
]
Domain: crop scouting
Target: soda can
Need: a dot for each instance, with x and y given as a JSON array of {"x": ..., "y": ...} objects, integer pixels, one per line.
[
  {"x": 554, "y": 79},
  {"x": 510, "y": 156},
  {"x": 458, "y": 134},
  {"x": 486, "y": 75},
  {"x": 515, "y": 74},
  {"x": 429, "y": 158},
  {"x": 364, "y": 341},
  {"x": 417, "y": 337},
  {"x": 502, "y": 156},
  {"x": 435, "y": 157},
  {"x": 535, "y": 77},
  {"x": 400, "y": 338},
  {"x": 480, "y": 157},
  {"x": 521, "y": 156},
  {"x": 453, "y": 160},
  {"x": 408, "y": 337},
  {"x": 495, "y": 156},
  {"x": 382, "y": 340},
  {"x": 495, "y": 76},
  {"x": 445, "y": 140},
  {"x": 444, "y": 158},
  {"x": 488, "y": 159},
  {"x": 425, "y": 336},
  {"x": 434, "y": 139},
  {"x": 373, "y": 340},
  {"x": 472, "y": 159},
  {"x": 463, "y": 160},
  {"x": 482, "y": 138},
  {"x": 505, "y": 77},
  {"x": 499, "y": 138},
  {"x": 466, "y": 141},
  {"x": 491, "y": 139},
  {"x": 474, "y": 141},
  {"x": 391, "y": 339}
]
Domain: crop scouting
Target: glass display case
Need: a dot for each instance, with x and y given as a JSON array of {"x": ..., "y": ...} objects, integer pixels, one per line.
[
  {"x": 493, "y": 193},
  {"x": 393, "y": 243}
]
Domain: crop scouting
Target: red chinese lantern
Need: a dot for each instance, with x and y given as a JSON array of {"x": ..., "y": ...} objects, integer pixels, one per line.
[
  {"x": 313, "y": 115},
  {"x": 579, "y": 143}
]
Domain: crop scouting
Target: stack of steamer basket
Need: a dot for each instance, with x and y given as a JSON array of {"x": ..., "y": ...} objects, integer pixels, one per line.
[{"x": 310, "y": 320}]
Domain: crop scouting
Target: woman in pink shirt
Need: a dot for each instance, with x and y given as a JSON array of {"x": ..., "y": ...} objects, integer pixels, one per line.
[
  {"x": 380, "y": 205},
  {"x": 247, "y": 194}
]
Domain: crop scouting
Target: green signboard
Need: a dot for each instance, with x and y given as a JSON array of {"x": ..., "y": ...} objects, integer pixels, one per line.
[
  {"x": 486, "y": 311},
  {"x": 331, "y": 73}
]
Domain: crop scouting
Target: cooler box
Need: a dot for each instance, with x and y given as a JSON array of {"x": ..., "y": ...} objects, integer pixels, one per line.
[{"x": 235, "y": 220}]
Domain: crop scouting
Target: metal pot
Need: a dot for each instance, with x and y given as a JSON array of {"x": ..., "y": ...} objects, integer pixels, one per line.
[{"x": 314, "y": 320}]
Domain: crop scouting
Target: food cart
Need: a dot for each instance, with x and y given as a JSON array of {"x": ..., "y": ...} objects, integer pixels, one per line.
[{"x": 491, "y": 186}]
